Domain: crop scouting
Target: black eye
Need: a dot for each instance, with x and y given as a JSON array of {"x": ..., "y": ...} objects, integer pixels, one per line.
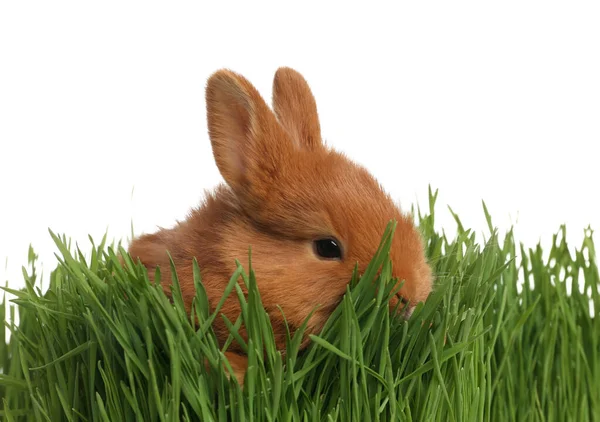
[{"x": 327, "y": 248}]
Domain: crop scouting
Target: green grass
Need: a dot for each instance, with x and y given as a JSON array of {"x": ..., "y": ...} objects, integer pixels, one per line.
[{"x": 104, "y": 344}]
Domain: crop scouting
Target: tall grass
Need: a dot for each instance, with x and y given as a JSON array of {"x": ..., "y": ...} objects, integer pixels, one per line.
[{"x": 105, "y": 344}]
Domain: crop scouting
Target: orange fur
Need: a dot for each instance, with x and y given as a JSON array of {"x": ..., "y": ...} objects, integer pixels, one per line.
[{"x": 284, "y": 188}]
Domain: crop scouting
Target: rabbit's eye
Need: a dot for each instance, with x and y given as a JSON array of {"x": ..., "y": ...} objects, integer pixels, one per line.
[{"x": 327, "y": 248}]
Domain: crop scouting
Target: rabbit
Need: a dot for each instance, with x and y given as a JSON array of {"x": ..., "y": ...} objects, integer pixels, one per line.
[{"x": 308, "y": 213}]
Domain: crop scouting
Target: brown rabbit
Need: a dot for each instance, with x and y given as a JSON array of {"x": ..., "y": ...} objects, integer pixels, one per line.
[{"x": 308, "y": 212}]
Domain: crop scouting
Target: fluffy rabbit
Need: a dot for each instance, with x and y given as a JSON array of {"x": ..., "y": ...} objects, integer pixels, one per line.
[{"x": 308, "y": 212}]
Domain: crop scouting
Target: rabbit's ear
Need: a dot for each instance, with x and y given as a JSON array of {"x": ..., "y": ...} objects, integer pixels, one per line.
[
  {"x": 296, "y": 109},
  {"x": 249, "y": 145}
]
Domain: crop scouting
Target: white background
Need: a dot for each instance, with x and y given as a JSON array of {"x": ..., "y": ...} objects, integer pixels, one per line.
[{"x": 102, "y": 118}]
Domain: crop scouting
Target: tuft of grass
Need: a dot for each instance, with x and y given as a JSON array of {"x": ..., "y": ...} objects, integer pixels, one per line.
[{"x": 103, "y": 343}]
